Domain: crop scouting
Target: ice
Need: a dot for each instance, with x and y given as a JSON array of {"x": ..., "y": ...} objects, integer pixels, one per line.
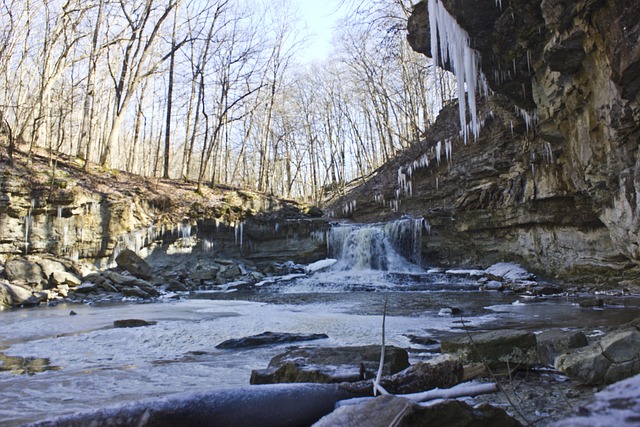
[
  {"x": 320, "y": 265},
  {"x": 455, "y": 48},
  {"x": 509, "y": 271}
]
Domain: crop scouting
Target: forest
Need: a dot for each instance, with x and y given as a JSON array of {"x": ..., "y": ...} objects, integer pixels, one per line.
[{"x": 214, "y": 92}]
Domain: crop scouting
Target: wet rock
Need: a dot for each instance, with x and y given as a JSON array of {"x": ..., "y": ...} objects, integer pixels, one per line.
[
  {"x": 614, "y": 357},
  {"x": 330, "y": 365},
  {"x": 496, "y": 348},
  {"x": 129, "y": 261},
  {"x": 269, "y": 338},
  {"x": 553, "y": 342},
  {"x": 397, "y": 411},
  {"x": 132, "y": 323},
  {"x": 415, "y": 339},
  {"x": 12, "y": 296},
  {"x": 449, "y": 311},
  {"x": 592, "y": 303}
]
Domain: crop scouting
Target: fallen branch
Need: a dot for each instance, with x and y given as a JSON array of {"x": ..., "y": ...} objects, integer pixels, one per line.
[
  {"x": 376, "y": 383},
  {"x": 461, "y": 390}
]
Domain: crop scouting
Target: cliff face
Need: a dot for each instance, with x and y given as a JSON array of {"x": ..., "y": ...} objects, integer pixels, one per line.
[
  {"x": 559, "y": 193},
  {"x": 92, "y": 216}
]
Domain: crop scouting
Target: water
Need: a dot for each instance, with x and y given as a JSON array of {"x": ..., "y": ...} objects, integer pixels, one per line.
[{"x": 53, "y": 363}]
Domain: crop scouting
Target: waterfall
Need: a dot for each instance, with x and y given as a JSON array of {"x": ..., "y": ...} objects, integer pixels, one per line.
[{"x": 389, "y": 246}]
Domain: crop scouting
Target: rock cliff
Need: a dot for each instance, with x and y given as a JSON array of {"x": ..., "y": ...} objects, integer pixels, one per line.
[
  {"x": 553, "y": 179},
  {"x": 93, "y": 215}
]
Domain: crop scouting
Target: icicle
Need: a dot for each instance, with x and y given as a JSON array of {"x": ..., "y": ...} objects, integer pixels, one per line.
[
  {"x": 455, "y": 49},
  {"x": 438, "y": 151},
  {"x": 548, "y": 153},
  {"x": 447, "y": 149}
]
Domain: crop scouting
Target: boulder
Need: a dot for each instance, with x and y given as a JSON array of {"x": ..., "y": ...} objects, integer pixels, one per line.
[
  {"x": 116, "y": 278},
  {"x": 134, "y": 291},
  {"x": 129, "y": 261},
  {"x": 49, "y": 266},
  {"x": 553, "y": 342},
  {"x": 11, "y": 295},
  {"x": 144, "y": 286},
  {"x": 269, "y": 338},
  {"x": 62, "y": 290},
  {"x": 495, "y": 348},
  {"x": 204, "y": 274},
  {"x": 86, "y": 288},
  {"x": 504, "y": 271},
  {"x": 330, "y": 364},
  {"x": 392, "y": 410},
  {"x": 63, "y": 278},
  {"x": 23, "y": 270},
  {"x": 614, "y": 357}
]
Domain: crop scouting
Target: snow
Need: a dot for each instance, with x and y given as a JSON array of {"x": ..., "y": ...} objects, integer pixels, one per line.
[
  {"x": 509, "y": 271},
  {"x": 617, "y": 405},
  {"x": 320, "y": 265}
]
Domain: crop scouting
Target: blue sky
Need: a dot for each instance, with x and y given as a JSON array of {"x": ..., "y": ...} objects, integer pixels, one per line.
[{"x": 320, "y": 18}]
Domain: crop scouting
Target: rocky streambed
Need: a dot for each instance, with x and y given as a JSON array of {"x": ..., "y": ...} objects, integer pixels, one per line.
[{"x": 74, "y": 354}]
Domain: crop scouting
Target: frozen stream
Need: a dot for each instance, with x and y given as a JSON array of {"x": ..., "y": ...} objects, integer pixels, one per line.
[
  {"x": 91, "y": 364},
  {"x": 54, "y": 363}
]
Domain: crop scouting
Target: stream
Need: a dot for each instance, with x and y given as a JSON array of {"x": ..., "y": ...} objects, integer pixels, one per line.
[{"x": 54, "y": 363}]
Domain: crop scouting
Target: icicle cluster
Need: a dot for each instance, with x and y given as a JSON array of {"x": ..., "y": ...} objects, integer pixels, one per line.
[
  {"x": 548, "y": 153},
  {"x": 530, "y": 119},
  {"x": 348, "y": 208},
  {"x": 239, "y": 233},
  {"x": 455, "y": 49}
]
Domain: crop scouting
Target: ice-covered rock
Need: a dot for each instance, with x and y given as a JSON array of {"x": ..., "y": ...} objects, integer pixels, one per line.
[
  {"x": 323, "y": 264},
  {"x": 505, "y": 271}
]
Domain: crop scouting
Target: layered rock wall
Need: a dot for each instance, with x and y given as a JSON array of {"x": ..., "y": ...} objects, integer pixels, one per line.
[{"x": 553, "y": 180}]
